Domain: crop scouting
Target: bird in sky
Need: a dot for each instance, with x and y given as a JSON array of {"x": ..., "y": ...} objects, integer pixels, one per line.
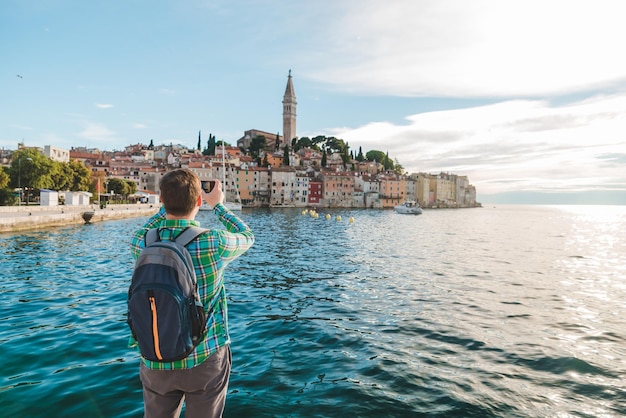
[{"x": 19, "y": 76}]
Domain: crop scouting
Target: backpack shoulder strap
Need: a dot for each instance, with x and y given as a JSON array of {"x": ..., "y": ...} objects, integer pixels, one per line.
[
  {"x": 152, "y": 236},
  {"x": 189, "y": 234}
]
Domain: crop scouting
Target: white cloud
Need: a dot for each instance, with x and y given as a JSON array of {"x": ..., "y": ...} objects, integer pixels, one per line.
[
  {"x": 139, "y": 126},
  {"x": 472, "y": 48},
  {"x": 97, "y": 133},
  {"x": 21, "y": 127},
  {"x": 103, "y": 105},
  {"x": 514, "y": 145}
]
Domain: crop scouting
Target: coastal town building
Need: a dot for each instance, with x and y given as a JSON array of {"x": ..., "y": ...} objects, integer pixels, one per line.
[
  {"x": 308, "y": 184},
  {"x": 311, "y": 178},
  {"x": 445, "y": 190},
  {"x": 301, "y": 195},
  {"x": 246, "y": 140},
  {"x": 422, "y": 188},
  {"x": 246, "y": 184},
  {"x": 149, "y": 178},
  {"x": 274, "y": 159},
  {"x": 56, "y": 154},
  {"x": 392, "y": 190},
  {"x": 338, "y": 188},
  {"x": 262, "y": 186},
  {"x": 315, "y": 192},
  {"x": 283, "y": 183},
  {"x": 308, "y": 157}
]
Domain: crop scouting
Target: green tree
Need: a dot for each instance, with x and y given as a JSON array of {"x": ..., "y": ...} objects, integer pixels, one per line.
[
  {"x": 375, "y": 155},
  {"x": 318, "y": 141},
  {"x": 6, "y": 194},
  {"x": 305, "y": 142},
  {"x": 61, "y": 176},
  {"x": 388, "y": 164},
  {"x": 397, "y": 167},
  {"x": 257, "y": 145},
  {"x": 4, "y": 179},
  {"x": 199, "y": 141},
  {"x": 286, "y": 155},
  {"x": 122, "y": 187},
  {"x": 211, "y": 145},
  {"x": 72, "y": 176},
  {"x": 337, "y": 145},
  {"x": 81, "y": 179},
  {"x": 324, "y": 158},
  {"x": 345, "y": 157},
  {"x": 359, "y": 156},
  {"x": 30, "y": 170},
  {"x": 118, "y": 186},
  {"x": 7, "y": 197},
  {"x": 131, "y": 187}
]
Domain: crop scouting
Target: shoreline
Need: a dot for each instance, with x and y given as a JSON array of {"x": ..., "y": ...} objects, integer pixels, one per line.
[{"x": 28, "y": 218}]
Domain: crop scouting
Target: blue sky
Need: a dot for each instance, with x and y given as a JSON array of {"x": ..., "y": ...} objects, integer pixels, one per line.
[{"x": 526, "y": 98}]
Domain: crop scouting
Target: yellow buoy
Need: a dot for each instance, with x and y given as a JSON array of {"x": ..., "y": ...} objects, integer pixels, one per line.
[
  {"x": 328, "y": 216},
  {"x": 338, "y": 217},
  {"x": 351, "y": 219}
]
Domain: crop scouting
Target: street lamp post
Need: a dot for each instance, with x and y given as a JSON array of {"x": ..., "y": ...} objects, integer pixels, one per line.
[
  {"x": 19, "y": 180},
  {"x": 19, "y": 177}
]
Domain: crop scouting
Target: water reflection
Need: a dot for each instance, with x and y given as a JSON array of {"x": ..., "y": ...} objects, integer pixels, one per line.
[{"x": 504, "y": 311}]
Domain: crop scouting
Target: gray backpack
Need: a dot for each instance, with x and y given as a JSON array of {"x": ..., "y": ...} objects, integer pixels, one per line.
[{"x": 165, "y": 313}]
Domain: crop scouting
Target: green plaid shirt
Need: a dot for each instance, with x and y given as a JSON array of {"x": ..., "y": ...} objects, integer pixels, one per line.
[{"x": 211, "y": 252}]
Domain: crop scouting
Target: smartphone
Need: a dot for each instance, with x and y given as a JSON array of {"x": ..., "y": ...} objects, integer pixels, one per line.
[{"x": 208, "y": 185}]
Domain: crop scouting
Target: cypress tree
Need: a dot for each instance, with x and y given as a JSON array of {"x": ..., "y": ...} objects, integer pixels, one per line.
[
  {"x": 211, "y": 145},
  {"x": 286, "y": 155}
]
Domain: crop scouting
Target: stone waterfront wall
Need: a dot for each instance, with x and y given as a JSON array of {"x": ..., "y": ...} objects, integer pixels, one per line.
[{"x": 21, "y": 218}]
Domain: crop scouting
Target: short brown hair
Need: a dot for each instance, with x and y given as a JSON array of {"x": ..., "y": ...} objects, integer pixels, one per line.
[{"x": 179, "y": 191}]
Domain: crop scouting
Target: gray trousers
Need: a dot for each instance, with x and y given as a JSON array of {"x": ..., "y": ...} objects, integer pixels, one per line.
[{"x": 202, "y": 388}]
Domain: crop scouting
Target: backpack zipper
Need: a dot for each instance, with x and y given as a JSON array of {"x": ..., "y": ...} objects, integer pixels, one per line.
[{"x": 155, "y": 329}]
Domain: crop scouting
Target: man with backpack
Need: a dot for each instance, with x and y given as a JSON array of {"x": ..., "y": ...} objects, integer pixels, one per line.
[{"x": 160, "y": 310}]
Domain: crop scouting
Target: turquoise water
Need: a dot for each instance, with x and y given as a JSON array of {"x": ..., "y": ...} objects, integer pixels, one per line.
[{"x": 508, "y": 311}]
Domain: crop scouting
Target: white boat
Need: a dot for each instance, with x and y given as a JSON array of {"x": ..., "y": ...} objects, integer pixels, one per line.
[
  {"x": 236, "y": 205},
  {"x": 233, "y": 205},
  {"x": 410, "y": 207},
  {"x": 229, "y": 205}
]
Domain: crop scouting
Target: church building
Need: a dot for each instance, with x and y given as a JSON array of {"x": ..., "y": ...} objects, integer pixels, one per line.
[
  {"x": 289, "y": 112},
  {"x": 289, "y": 122}
]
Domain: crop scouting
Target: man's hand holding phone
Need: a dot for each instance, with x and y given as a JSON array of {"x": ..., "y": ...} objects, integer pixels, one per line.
[{"x": 212, "y": 192}]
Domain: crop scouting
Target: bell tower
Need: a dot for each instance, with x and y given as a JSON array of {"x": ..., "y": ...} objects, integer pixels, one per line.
[{"x": 289, "y": 113}]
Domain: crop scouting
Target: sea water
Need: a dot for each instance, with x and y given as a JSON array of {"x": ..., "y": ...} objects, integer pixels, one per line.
[{"x": 507, "y": 311}]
